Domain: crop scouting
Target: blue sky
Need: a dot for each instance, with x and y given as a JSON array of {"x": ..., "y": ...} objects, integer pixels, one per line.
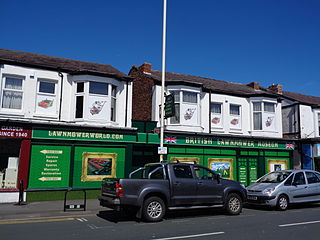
[{"x": 268, "y": 41}]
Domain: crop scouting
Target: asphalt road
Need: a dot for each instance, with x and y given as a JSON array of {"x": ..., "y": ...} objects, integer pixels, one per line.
[{"x": 299, "y": 222}]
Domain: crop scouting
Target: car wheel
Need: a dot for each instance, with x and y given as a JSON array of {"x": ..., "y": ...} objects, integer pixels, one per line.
[
  {"x": 233, "y": 204},
  {"x": 153, "y": 209},
  {"x": 282, "y": 203}
]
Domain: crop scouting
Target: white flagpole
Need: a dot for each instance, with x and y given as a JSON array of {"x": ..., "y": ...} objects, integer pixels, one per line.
[{"x": 163, "y": 74}]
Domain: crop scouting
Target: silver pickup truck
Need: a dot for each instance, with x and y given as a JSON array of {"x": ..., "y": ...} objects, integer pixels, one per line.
[{"x": 166, "y": 186}]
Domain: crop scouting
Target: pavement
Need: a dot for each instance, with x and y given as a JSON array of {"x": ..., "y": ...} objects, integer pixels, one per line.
[{"x": 47, "y": 209}]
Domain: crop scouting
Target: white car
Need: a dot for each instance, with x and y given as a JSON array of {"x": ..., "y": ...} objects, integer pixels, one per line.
[{"x": 280, "y": 188}]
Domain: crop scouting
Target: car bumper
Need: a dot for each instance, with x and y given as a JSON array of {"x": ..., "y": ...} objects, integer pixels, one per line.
[
  {"x": 110, "y": 202},
  {"x": 262, "y": 200}
]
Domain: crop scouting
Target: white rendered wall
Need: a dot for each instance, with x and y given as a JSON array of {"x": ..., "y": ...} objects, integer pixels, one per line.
[
  {"x": 307, "y": 122},
  {"x": 66, "y": 115}
]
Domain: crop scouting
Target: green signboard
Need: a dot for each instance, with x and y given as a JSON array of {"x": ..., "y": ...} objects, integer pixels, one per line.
[
  {"x": 169, "y": 109},
  {"x": 80, "y": 135},
  {"x": 49, "y": 167},
  {"x": 228, "y": 142}
]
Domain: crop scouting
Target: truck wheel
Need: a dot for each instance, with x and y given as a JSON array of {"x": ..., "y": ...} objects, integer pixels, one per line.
[
  {"x": 282, "y": 203},
  {"x": 153, "y": 209},
  {"x": 233, "y": 204}
]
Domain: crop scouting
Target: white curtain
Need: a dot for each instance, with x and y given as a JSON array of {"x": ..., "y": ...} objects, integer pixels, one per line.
[
  {"x": 215, "y": 108},
  {"x": 12, "y": 99},
  {"x": 190, "y": 97}
]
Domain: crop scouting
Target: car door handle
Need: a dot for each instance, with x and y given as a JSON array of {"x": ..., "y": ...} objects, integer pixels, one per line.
[
  {"x": 177, "y": 183},
  {"x": 200, "y": 183}
]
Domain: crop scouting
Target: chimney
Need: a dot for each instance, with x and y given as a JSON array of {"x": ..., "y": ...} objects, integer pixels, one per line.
[
  {"x": 275, "y": 88},
  {"x": 145, "y": 68},
  {"x": 254, "y": 85}
]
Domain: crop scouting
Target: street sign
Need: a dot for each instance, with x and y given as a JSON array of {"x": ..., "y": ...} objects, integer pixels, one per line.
[
  {"x": 169, "y": 110},
  {"x": 162, "y": 150}
]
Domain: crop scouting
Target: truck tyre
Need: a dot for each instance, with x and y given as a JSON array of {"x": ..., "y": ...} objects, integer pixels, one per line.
[
  {"x": 233, "y": 204},
  {"x": 282, "y": 203},
  {"x": 153, "y": 209}
]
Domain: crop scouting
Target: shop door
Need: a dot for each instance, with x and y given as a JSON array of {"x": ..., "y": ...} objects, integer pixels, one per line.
[{"x": 248, "y": 170}]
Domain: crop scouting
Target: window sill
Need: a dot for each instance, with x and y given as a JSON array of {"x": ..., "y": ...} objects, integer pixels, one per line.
[
  {"x": 37, "y": 115},
  {"x": 11, "y": 113}
]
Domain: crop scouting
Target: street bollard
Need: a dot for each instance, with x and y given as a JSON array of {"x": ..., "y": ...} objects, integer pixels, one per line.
[{"x": 21, "y": 202}]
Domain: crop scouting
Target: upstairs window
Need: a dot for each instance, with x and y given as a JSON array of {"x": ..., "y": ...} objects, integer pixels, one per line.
[
  {"x": 264, "y": 116},
  {"x": 95, "y": 101},
  {"x": 12, "y": 93},
  {"x": 216, "y": 114},
  {"x": 113, "y": 102},
  {"x": 319, "y": 124},
  {"x": 46, "y": 97},
  {"x": 79, "y": 99},
  {"x": 235, "y": 116},
  {"x": 186, "y": 108}
]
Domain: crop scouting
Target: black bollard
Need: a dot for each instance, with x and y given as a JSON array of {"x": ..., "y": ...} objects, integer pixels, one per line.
[{"x": 21, "y": 202}]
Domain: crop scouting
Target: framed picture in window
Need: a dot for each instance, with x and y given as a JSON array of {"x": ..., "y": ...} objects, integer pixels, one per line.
[
  {"x": 46, "y": 104},
  {"x": 277, "y": 165},
  {"x": 222, "y": 166},
  {"x": 96, "y": 166},
  {"x": 97, "y": 108}
]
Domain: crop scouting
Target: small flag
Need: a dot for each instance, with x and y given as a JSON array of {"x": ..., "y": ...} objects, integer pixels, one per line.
[
  {"x": 170, "y": 139},
  {"x": 289, "y": 146}
]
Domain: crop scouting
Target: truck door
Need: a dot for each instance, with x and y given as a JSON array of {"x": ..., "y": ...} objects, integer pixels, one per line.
[
  {"x": 209, "y": 190},
  {"x": 184, "y": 185}
]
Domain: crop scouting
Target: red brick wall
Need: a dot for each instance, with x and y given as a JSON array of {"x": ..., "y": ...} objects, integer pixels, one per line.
[{"x": 142, "y": 94}]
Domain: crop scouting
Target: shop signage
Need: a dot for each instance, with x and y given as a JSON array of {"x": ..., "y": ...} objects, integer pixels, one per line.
[
  {"x": 14, "y": 132},
  {"x": 80, "y": 135},
  {"x": 228, "y": 142},
  {"x": 49, "y": 166}
]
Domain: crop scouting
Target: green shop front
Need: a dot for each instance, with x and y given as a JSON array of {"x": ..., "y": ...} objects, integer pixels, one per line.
[
  {"x": 67, "y": 159},
  {"x": 244, "y": 160}
]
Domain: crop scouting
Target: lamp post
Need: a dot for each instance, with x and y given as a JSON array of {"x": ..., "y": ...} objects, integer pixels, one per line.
[{"x": 163, "y": 75}]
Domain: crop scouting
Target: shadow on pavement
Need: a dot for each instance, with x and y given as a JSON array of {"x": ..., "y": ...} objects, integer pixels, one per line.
[{"x": 115, "y": 217}]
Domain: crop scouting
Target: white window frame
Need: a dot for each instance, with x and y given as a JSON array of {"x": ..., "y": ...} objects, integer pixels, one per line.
[
  {"x": 3, "y": 88},
  {"x": 217, "y": 119},
  {"x": 80, "y": 94},
  {"x": 87, "y": 100},
  {"x": 235, "y": 120},
  {"x": 113, "y": 98},
  {"x": 264, "y": 113},
  {"x": 317, "y": 122},
  {"x": 52, "y": 96},
  {"x": 183, "y": 105}
]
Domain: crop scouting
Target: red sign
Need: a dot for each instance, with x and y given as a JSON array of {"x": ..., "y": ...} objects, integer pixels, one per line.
[{"x": 14, "y": 132}]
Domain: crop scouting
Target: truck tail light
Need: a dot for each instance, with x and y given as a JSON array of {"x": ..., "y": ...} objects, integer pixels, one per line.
[{"x": 119, "y": 190}]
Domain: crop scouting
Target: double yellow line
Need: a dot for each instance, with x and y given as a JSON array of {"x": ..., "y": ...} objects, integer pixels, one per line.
[{"x": 36, "y": 220}]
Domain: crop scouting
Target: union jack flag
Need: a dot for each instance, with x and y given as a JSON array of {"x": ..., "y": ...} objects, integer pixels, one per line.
[
  {"x": 289, "y": 146},
  {"x": 170, "y": 139}
]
